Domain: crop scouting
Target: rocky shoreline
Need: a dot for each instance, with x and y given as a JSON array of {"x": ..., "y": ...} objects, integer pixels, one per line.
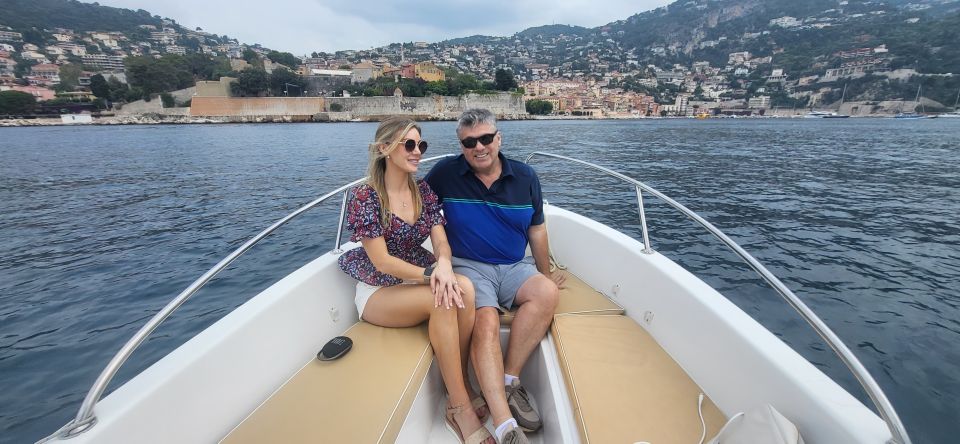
[
  {"x": 161, "y": 119},
  {"x": 166, "y": 119}
]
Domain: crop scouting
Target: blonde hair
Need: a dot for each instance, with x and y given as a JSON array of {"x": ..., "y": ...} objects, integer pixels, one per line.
[{"x": 389, "y": 134}]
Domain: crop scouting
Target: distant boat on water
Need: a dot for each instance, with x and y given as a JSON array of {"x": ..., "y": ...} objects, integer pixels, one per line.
[
  {"x": 837, "y": 114},
  {"x": 829, "y": 114},
  {"x": 914, "y": 115},
  {"x": 956, "y": 108},
  {"x": 824, "y": 115}
]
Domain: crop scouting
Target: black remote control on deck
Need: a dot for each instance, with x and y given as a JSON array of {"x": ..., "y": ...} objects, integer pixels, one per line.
[{"x": 336, "y": 348}]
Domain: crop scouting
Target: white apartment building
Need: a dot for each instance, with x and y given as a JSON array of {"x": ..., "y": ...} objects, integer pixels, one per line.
[
  {"x": 759, "y": 102},
  {"x": 103, "y": 61},
  {"x": 785, "y": 22},
  {"x": 10, "y": 36}
]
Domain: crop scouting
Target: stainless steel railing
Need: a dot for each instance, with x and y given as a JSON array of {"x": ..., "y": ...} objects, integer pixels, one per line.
[
  {"x": 889, "y": 415},
  {"x": 86, "y": 416}
]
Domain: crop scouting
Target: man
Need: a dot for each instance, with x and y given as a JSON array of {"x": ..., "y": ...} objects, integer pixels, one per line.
[{"x": 494, "y": 209}]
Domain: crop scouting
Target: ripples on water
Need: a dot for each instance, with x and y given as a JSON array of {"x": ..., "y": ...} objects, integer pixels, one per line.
[{"x": 101, "y": 226}]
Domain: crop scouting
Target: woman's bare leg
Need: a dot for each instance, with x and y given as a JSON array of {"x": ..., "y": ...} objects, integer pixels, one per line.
[
  {"x": 465, "y": 321},
  {"x": 410, "y": 305}
]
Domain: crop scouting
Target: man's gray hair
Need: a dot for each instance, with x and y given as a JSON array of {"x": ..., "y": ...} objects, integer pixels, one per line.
[{"x": 475, "y": 116}]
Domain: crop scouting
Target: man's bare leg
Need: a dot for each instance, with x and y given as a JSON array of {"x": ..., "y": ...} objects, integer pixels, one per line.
[{"x": 537, "y": 298}]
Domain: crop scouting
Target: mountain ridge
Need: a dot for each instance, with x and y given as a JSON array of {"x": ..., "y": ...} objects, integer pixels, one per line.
[{"x": 25, "y": 14}]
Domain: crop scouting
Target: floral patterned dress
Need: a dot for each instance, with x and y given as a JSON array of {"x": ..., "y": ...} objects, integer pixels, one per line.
[{"x": 403, "y": 240}]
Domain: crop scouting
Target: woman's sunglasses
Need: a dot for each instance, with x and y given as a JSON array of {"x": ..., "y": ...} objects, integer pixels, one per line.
[
  {"x": 410, "y": 144},
  {"x": 486, "y": 139}
]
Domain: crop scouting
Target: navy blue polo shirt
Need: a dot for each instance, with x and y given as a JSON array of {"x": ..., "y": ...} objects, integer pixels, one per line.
[{"x": 488, "y": 225}]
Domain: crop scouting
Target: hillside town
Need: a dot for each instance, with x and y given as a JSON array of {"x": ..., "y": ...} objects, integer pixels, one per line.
[{"x": 577, "y": 71}]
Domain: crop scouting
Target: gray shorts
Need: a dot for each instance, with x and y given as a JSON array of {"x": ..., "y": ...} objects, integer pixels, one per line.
[{"x": 496, "y": 285}]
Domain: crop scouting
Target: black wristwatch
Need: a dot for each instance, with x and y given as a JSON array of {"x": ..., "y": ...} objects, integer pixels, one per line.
[{"x": 427, "y": 272}]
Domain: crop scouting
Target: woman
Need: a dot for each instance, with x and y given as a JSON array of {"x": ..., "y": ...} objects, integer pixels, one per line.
[{"x": 391, "y": 215}]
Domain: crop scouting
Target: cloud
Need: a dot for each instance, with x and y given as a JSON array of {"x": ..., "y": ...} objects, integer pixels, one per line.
[
  {"x": 511, "y": 15},
  {"x": 302, "y": 27}
]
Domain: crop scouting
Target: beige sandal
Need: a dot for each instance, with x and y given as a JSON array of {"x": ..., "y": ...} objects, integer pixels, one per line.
[
  {"x": 480, "y": 403},
  {"x": 477, "y": 437}
]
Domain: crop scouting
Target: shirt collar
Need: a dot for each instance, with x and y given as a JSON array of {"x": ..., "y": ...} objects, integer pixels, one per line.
[{"x": 505, "y": 168}]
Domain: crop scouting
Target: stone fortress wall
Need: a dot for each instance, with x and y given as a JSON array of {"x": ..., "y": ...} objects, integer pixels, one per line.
[{"x": 505, "y": 105}]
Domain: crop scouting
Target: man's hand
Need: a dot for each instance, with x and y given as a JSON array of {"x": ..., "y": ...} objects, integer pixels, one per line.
[{"x": 558, "y": 277}]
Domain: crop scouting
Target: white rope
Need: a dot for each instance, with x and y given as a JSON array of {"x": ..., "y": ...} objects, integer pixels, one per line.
[
  {"x": 554, "y": 263},
  {"x": 702, "y": 422}
]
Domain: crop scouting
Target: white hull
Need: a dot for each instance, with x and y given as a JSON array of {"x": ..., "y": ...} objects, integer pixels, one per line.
[
  {"x": 819, "y": 114},
  {"x": 203, "y": 389}
]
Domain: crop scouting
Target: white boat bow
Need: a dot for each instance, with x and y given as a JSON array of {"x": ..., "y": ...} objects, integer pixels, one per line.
[{"x": 252, "y": 374}]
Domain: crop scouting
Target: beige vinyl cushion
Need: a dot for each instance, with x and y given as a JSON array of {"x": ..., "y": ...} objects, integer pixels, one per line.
[
  {"x": 362, "y": 397},
  {"x": 624, "y": 387},
  {"x": 577, "y": 297}
]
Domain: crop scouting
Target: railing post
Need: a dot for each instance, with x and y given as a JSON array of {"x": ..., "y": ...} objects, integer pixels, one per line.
[
  {"x": 343, "y": 211},
  {"x": 643, "y": 223}
]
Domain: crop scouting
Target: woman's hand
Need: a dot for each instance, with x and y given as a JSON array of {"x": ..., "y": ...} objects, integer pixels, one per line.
[
  {"x": 443, "y": 283},
  {"x": 446, "y": 290}
]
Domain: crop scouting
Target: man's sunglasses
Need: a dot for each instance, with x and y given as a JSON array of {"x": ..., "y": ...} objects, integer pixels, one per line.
[
  {"x": 410, "y": 144},
  {"x": 486, "y": 139}
]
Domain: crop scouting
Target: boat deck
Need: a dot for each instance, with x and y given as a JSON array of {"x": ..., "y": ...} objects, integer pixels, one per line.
[
  {"x": 624, "y": 387},
  {"x": 621, "y": 386}
]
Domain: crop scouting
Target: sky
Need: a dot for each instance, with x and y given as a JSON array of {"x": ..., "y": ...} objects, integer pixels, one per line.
[{"x": 304, "y": 26}]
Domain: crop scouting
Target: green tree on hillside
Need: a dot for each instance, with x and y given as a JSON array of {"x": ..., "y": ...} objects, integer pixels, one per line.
[
  {"x": 172, "y": 72},
  {"x": 118, "y": 90},
  {"x": 281, "y": 80},
  {"x": 698, "y": 92},
  {"x": 34, "y": 35},
  {"x": 455, "y": 84},
  {"x": 70, "y": 76},
  {"x": 99, "y": 87},
  {"x": 168, "y": 100},
  {"x": 459, "y": 83},
  {"x": 250, "y": 83},
  {"x": 79, "y": 16},
  {"x": 504, "y": 80},
  {"x": 204, "y": 67},
  {"x": 167, "y": 73},
  {"x": 23, "y": 66},
  {"x": 438, "y": 87},
  {"x": 252, "y": 58},
  {"x": 284, "y": 58},
  {"x": 539, "y": 107},
  {"x": 16, "y": 102},
  {"x": 190, "y": 43},
  {"x": 135, "y": 93}
]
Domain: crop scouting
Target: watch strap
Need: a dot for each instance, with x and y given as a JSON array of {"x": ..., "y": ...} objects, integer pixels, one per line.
[{"x": 428, "y": 271}]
